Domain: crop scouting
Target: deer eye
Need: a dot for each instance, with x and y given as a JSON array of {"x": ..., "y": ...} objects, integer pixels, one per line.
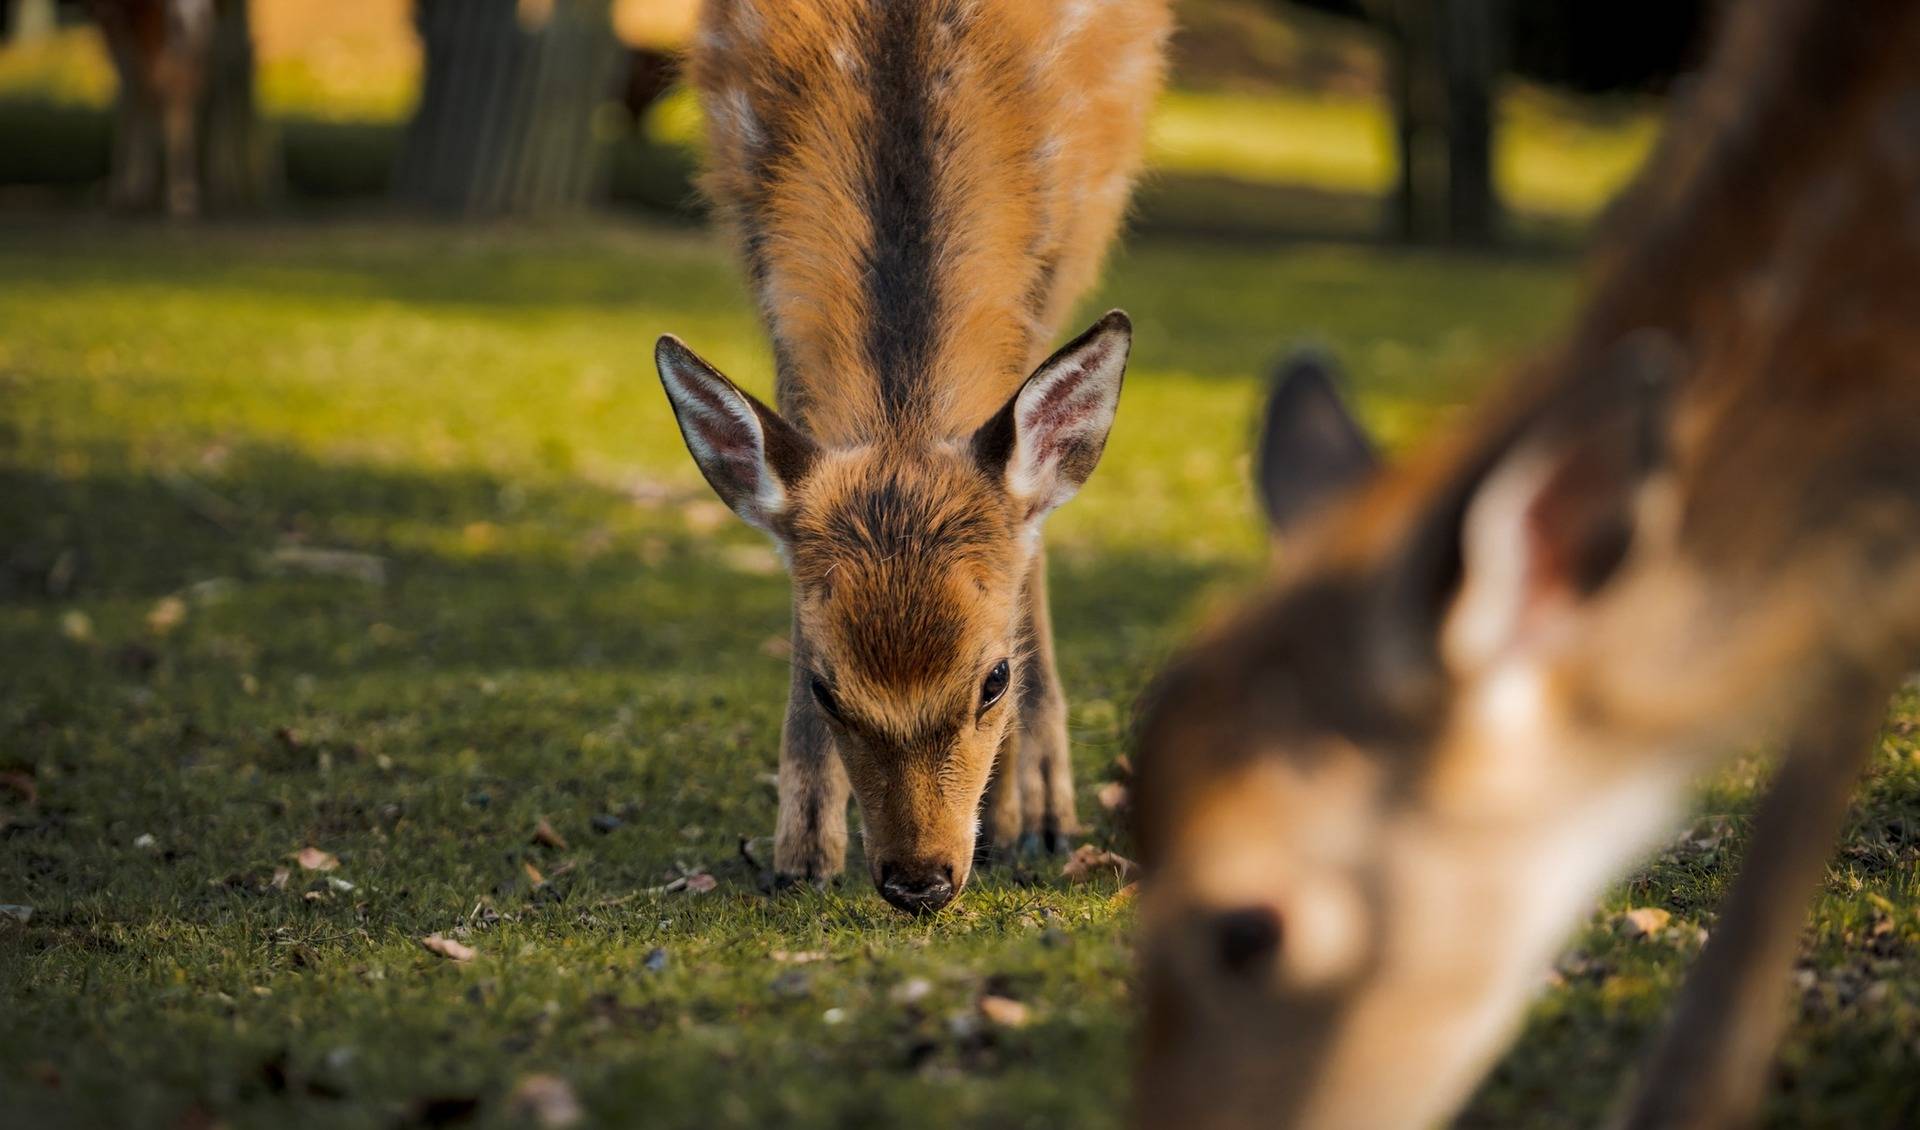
[
  {"x": 995, "y": 685},
  {"x": 824, "y": 696}
]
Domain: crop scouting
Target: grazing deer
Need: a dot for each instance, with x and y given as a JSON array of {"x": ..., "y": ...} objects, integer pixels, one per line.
[
  {"x": 920, "y": 192},
  {"x": 1374, "y": 803}
]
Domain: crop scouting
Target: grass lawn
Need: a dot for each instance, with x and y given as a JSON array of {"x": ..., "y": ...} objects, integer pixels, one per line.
[{"x": 555, "y": 622}]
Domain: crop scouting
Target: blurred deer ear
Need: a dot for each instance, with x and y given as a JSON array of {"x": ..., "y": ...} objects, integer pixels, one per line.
[
  {"x": 750, "y": 454},
  {"x": 1047, "y": 439},
  {"x": 1311, "y": 448},
  {"x": 1554, "y": 519}
]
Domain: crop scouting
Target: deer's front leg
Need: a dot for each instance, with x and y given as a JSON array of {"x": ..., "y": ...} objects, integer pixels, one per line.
[
  {"x": 1709, "y": 1069},
  {"x": 810, "y": 838},
  {"x": 1000, "y": 811},
  {"x": 1047, "y": 813}
]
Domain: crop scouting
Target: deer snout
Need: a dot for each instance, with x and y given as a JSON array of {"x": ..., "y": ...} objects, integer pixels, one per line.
[{"x": 918, "y": 887}]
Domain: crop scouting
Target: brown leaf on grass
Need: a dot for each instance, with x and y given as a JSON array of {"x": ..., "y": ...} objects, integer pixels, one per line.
[
  {"x": 545, "y": 1100},
  {"x": 313, "y": 859},
  {"x": 1643, "y": 921},
  {"x": 533, "y": 873},
  {"x": 1113, "y": 796},
  {"x": 448, "y": 948},
  {"x": 798, "y": 957},
  {"x": 700, "y": 882},
  {"x": 1005, "y": 1012},
  {"x": 280, "y": 877},
  {"x": 1131, "y": 890},
  {"x": 1088, "y": 861},
  {"x": 544, "y": 835}
]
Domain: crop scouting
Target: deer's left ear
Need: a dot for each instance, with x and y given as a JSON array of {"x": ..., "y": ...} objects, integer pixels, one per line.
[{"x": 1047, "y": 439}]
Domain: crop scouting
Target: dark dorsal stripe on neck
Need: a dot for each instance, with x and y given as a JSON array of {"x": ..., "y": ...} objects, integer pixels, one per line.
[{"x": 903, "y": 302}]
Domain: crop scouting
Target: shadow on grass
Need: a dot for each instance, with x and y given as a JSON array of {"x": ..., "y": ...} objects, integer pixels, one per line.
[
  {"x": 530, "y": 647},
  {"x": 478, "y": 571}
]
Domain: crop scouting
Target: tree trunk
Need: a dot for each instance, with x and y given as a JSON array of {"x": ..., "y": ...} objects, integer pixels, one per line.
[
  {"x": 505, "y": 121},
  {"x": 1445, "y": 62},
  {"x": 29, "y": 20}
]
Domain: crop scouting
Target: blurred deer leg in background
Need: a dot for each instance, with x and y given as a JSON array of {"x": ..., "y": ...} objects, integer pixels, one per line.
[
  {"x": 134, "y": 178},
  {"x": 1708, "y": 1070},
  {"x": 810, "y": 836},
  {"x": 1045, "y": 759},
  {"x": 180, "y": 106}
]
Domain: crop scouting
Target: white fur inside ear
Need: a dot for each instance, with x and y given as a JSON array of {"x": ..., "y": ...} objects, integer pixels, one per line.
[
  {"x": 1061, "y": 420},
  {"x": 723, "y": 434},
  {"x": 1497, "y": 583}
]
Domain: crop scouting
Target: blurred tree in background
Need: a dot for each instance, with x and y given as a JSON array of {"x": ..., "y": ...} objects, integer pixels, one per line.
[
  {"x": 187, "y": 133},
  {"x": 505, "y": 120},
  {"x": 1445, "y": 59},
  {"x": 23, "y": 20}
]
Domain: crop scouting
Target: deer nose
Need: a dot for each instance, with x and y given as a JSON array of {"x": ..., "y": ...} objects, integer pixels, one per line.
[
  {"x": 1246, "y": 938},
  {"x": 917, "y": 888}
]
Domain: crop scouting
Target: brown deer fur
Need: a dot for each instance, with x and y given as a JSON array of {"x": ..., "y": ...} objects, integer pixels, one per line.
[
  {"x": 1373, "y": 802},
  {"x": 920, "y": 192},
  {"x": 161, "y": 50}
]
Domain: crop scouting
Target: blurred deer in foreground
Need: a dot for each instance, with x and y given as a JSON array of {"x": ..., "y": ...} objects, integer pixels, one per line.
[
  {"x": 920, "y": 192},
  {"x": 161, "y": 50},
  {"x": 1375, "y": 802}
]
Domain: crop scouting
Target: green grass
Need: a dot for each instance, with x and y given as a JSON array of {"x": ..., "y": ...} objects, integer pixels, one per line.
[{"x": 566, "y": 630}]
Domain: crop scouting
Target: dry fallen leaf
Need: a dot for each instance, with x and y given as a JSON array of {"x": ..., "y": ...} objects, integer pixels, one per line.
[
  {"x": 1643, "y": 921},
  {"x": 545, "y": 1100},
  {"x": 1113, "y": 796},
  {"x": 280, "y": 877},
  {"x": 911, "y": 991},
  {"x": 313, "y": 859},
  {"x": 1131, "y": 890},
  {"x": 701, "y": 882},
  {"x": 1005, "y": 1012},
  {"x": 167, "y": 613},
  {"x": 797, "y": 957},
  {"x": 76, "y": 625},
  {"x": 1088, "y": 861},
  {"x": 544, "y": 835},
  {"x": 448, "y": 948},
  {"x": 533, "y": 873}
]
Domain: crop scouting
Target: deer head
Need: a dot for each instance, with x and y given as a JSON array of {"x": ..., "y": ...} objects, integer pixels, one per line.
[
  {"x": 909, "y": 564},
  {"x": 1372, "y": 802}
]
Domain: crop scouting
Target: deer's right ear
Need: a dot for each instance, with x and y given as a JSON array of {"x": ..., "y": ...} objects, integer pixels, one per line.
[
  {"x": 1311, "y": 447},
  {"x": 750, "y": 454}
]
